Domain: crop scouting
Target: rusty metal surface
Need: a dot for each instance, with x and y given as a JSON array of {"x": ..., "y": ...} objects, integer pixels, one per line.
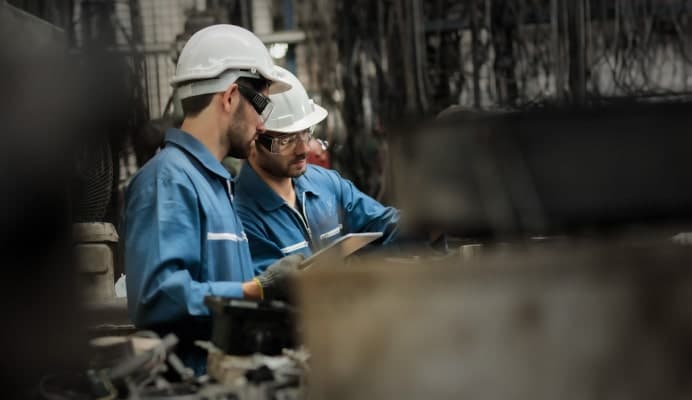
[{"x": 569, "y": 321}]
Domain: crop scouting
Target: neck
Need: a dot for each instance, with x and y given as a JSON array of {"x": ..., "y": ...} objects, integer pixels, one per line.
[
  {"x": 282, "y": 186},
  {"x": 207, "y": 133}
]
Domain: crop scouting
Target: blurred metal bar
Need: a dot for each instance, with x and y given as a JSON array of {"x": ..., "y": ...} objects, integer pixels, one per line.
[
  {"x": 246, "y": 14},
  {"x": 577, "y": 50},
  {"x": 475, "y": 56},
  {"x": 287, "y": 36},
  {"x": 288, "y": 25},
  {"x": 419, "y": 52},
  {"x": 557, "y": 59}
]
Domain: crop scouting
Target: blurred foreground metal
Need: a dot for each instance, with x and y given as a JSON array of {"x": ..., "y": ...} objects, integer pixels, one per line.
[
  {"x": 559, "y": 320},
  {"x": 549, "y": 171}
]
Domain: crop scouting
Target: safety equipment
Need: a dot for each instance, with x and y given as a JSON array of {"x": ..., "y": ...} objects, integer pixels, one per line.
[
  {"x": 275, "y": 282},
  {"x": 284, "y": 143},
  {"x": 214, "y": 57},
  {"x": 259, "y": 102},
  {"x": 293, "y": 110}
]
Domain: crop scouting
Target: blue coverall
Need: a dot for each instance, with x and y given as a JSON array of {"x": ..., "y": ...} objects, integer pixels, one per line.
[
  {"x": 327, "y": 208},
  {"x": 182, "y": 238}
]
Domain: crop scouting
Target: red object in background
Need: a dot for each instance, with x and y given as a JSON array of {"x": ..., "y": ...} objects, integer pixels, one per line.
[{"x": 318, "y": 155}]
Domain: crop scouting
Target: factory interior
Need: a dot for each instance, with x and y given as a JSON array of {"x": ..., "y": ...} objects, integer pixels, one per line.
[{"x": 331, "y": 199}]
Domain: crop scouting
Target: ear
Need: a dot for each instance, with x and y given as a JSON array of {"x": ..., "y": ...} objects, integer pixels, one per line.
[{"x": 229, "y": 98}]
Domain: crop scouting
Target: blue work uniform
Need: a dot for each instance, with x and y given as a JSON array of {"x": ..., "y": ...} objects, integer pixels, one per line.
[
  {"x": 327, "y": 208},
  {"x": 182, "y": 237}
]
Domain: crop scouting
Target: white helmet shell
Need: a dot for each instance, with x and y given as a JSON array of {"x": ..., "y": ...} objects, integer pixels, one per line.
[
  {"x": 214, "y": 57},
  {"x": 293, "y": 110}
]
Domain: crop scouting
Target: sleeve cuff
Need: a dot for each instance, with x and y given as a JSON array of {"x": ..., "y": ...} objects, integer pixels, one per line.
[{"x": 227, "y": 289}]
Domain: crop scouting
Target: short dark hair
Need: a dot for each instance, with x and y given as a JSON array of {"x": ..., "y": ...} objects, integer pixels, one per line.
[
  {"x": 258, "y": 84},
  {"x": 194, "y": 105}
]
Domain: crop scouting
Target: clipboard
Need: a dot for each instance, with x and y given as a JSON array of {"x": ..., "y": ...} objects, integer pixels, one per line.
[{"x": 341, "y": 248}]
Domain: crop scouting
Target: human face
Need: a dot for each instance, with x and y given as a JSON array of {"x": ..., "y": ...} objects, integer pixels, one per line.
[
  {"x": 289, "y": 158},
  {"x": 247, "y": 121}
]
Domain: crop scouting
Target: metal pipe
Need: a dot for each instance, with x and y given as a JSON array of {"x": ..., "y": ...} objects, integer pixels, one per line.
[
  {"x": 557, "y": 59},
  {"x": 475, "y": 48},
  {"x": 289, "y": 25},
  {"x": 577, "y": 64},
  {"x": 419, "y": 52}
]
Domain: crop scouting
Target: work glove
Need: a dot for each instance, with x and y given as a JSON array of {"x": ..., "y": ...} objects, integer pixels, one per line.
[{"x": 275, "y": 282}]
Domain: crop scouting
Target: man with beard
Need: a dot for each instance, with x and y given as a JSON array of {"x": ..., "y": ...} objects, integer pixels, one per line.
[
  {"x": 182, "y": 237},
  {"x": 290, "y": 207}
]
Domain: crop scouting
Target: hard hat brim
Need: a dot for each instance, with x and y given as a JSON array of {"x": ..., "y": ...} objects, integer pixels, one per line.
[
  {"x": 312, "y": 119},
  {"x": 278, "y": 84}
]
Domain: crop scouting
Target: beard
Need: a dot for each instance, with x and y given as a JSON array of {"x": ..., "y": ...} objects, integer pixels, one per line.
[
  {"x": 238, "y": 137},
  {"x": 280, "y": 166},
  {"x": 240, "y": 145}
]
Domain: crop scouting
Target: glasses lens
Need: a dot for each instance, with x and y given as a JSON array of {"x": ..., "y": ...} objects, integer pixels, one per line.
[
  {"x": 266, "y": 112},
  {"x": 277, "y": 148},
  {"x": 285, "y": 143},
  {"x": 303, "y": 137},
  {"x": 323, "y": 144}
]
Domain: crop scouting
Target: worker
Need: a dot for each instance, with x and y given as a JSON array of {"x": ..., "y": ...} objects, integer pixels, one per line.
[
  {"x": 291, "y": 207},
  {"x": 183, "y": 239}
]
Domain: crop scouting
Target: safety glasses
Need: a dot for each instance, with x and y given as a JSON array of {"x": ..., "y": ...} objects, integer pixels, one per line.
[
  {"x": 260, "y": 102},
  {"x": 284, "y": 143}
]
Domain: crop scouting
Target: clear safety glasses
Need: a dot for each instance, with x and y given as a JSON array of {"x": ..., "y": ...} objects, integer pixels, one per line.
[{"x": 284, "y": 143}]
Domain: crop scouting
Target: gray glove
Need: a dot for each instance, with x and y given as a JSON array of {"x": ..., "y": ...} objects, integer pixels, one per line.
[{"x": 276, "y": 280}]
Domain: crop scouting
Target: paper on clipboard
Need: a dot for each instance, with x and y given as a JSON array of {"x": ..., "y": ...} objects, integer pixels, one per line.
[{"x": 341, "y": 248}]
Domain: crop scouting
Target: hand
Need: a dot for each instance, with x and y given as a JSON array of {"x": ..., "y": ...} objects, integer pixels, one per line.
[{"x": 275, "y": 283}]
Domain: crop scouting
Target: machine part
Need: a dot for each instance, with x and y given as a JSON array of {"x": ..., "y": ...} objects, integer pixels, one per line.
[
  {"x": 94, "y": 175},
  {"x": 110, "y": 350},
  {"x": 468, "y": 251},
  {"x": 94, "y": 232},
  {"x": 243, "y": 327},
  {"x": 576, "y": 318},
  {"x": 146, "y": 363},
  {"x": 549, "y": 171},
  {"x": 94, "y": 254},
  {"x": 143, "y": 372},
  {"x": 261, "y": 376},
  {"x": 101, "y": 387},
  {"x": 186, "y": 374}
]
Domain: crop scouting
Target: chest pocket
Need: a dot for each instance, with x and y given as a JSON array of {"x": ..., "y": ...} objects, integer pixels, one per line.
[
  {"x": 299, "y": 247},
  {"x": 332, "y": 233},
  {"x": 325, "y": 218}
]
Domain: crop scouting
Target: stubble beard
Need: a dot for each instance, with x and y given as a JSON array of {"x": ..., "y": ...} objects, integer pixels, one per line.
[
  {"x": 277, "y": 167},
  {"x": 235, "y": 135}
]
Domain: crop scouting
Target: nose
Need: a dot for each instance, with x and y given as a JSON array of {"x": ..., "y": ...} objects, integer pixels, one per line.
[
  {"x": 302, "y": 146},
  {"x": 260, "y": 127}
]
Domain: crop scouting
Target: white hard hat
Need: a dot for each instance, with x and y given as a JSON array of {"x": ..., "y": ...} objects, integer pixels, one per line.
[
  {"x": 214, "y": 57},
  {"x": 293, "y": 110}
]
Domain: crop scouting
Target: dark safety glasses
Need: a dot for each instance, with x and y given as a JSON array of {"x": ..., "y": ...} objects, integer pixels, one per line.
[{"x": 260, "y": 102}]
